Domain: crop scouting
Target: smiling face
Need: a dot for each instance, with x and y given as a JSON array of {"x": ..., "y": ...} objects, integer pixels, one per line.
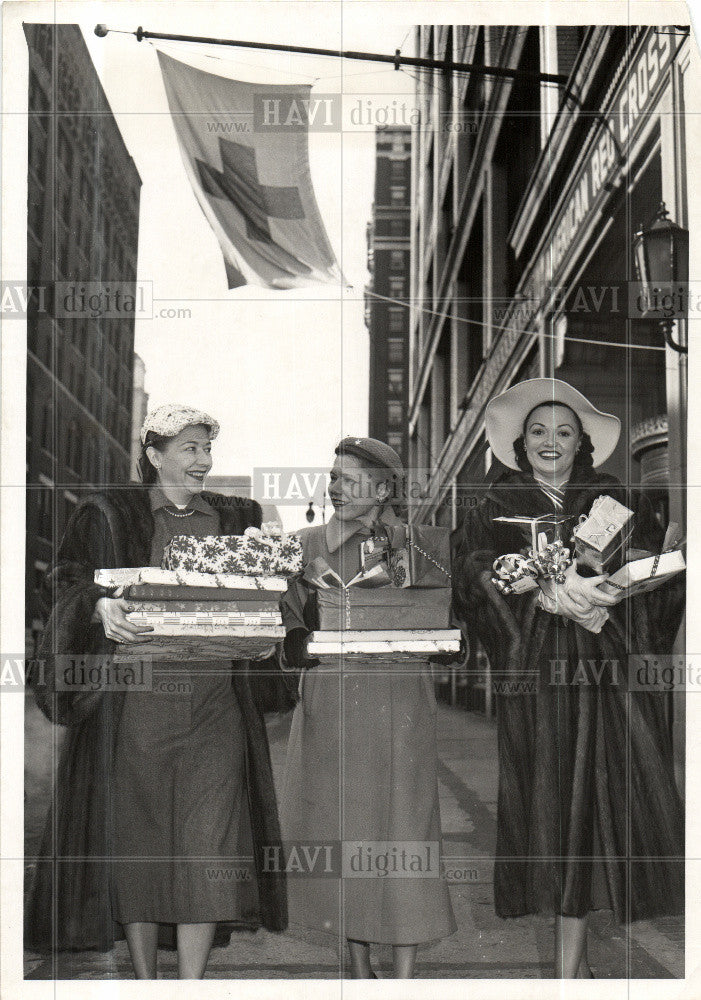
[
  {"x": 183, "y": 463},
  {"x": 551, "y": 439},
  {"x": 352, "y": 487}
]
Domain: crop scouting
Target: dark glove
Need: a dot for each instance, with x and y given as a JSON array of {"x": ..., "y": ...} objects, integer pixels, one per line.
[
  {"x": 450, "y": 659},
  {"x": 295, "y": 647}
]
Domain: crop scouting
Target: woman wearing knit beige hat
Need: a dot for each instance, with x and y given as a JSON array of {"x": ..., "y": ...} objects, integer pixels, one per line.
[
  {"x": 586, "y": 776},
  {"x": 188, "y": 775}
]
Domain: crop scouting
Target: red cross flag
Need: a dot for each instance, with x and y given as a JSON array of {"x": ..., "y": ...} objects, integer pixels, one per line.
[{"x": 245, "y": 150}]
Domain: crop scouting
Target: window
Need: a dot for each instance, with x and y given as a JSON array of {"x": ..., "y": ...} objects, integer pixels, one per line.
[
  {"x": 395, "y": 412},
  {"x": 89, "y": 130},
  {"x": 396, "y": 319},
  {"x": 82, "y": 336},
  {"x": 396, "y": 288},
  {"x": 46, "y": 495},
  {"x": 66, "y": 206},
  {"x": 397, "y": 227},
  {"x": 395, "y": 350},
  {"x": 40, "y": 569},
  {"x": 395, "y": 381},
  {"x": 395, "y": 441},
  {"x": 72, "y": 447},
  {"x": 558, "y": 341},
  {"x": 36, "y": 153},
  {"x": 65, "y": 151},
  {"x": 106, "y": 233},
  {"x": 64, "y": 250},
  {"x": 29, "y": 423},
  {"x": 396, "y": 170},
  {"x": 44, "y": 43},
  {"x": 36, "y": 214},
  {"x": 33, "y": 255},
  {"x": 46, "y": 427},
  {"x": 86, "y": 191},
  {"x": 569, "y": 40},
  {"x": 396, "y": 260},
  {"x": 92, "y": 460},
  {"x": 71, "y": 503},
  {"x": 397, "y": 194},
  {"x": 38, "y": 101}
]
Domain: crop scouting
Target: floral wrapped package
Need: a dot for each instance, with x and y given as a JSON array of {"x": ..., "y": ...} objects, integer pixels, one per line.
[{"x": 258, "y": 552}]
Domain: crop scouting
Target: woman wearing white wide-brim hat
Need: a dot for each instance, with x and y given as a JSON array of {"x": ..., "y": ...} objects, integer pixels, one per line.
[{"x": 588, "y": 812}]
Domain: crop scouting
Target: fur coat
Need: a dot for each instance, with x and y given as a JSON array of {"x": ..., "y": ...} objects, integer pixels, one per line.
[
  {"x": 586, "y": 776},
  {"x": 109, "y": 529}
]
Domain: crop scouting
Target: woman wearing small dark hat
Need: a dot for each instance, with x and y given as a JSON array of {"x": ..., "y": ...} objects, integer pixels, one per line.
[
  {"x": 173, "y": 786},
  {"x": 361, "y": 763},
  {"x": 588, "y": 812}
]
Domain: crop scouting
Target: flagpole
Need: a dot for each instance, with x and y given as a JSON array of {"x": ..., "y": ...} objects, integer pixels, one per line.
[{"x": 397, "y": 60}]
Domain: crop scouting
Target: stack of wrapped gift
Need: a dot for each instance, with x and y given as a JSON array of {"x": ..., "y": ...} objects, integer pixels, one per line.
[
  {"x": 646, "y": 571},
  {"x": 398, "y": 605},
  {"x": 216, "y": 596},
  {"x": 602, "y": 543}
]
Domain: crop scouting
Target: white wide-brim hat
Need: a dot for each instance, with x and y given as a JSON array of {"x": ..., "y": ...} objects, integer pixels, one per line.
[{"x": 506, "y": 413}]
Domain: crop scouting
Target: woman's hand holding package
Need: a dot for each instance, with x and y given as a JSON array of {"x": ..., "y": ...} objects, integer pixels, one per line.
[
  {"x": 112, "y": 612},
  {"x": 585, "y": 589},
  {"x": 555, "y": 599},
  {"x": 295, "y": 651}
]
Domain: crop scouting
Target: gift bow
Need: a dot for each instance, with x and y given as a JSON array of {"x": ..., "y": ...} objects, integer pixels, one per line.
[
  {"x": 549, "y": 562},
  {"x": 317, "y": 573}
]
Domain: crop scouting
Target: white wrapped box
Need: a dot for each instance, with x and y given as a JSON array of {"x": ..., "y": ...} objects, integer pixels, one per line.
[
  {"x": 234, "y": 643},
  {"x": 391, "y": 645},
  {"x": 137, "y": 575},
  {"x": 642, "y": 575}
]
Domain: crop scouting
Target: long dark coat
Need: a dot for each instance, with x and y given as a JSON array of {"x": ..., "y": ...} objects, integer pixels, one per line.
[
  {"x": 588, "y": 813},
  {"x": 109, "y": 529}
]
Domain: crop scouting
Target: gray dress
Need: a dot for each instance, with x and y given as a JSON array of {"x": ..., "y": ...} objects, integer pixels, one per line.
[
  {"x": 182, "y": 838},
  {"x": 362, "y": 780}
]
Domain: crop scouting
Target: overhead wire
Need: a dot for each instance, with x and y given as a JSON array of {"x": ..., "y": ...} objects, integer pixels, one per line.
[{"x": 410, "y": 304}]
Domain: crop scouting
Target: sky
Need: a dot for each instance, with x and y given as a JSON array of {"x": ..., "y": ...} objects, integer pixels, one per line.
[{"x": 285, "y": 373}]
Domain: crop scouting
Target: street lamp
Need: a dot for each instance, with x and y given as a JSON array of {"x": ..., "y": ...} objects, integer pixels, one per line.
[{"x": 661, "y": 255}]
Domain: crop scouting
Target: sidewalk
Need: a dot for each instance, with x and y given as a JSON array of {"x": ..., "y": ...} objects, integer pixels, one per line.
[{"x": 484, "y": 947}]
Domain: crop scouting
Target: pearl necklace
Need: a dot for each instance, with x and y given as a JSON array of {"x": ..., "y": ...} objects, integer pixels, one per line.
[{"x": 172, "y": 513}]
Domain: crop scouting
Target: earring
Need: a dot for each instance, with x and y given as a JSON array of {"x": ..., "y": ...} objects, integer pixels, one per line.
[{"x": 382, "y": 494}]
